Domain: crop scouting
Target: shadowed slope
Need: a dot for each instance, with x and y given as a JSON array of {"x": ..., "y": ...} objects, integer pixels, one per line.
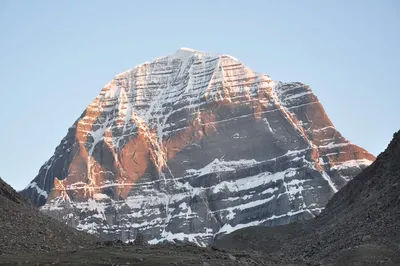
[{"x": 25, "y": 229}]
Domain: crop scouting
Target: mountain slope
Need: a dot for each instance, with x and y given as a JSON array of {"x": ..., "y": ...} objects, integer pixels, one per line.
[
  {"x": 194, "y": 145},
  {"x": 366, "y": 211},
  {"x": 24, "y": 229},
  {"x": 359, "y": 226}
]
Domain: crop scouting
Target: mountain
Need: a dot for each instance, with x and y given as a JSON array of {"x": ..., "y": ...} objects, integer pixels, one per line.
[
  {"x": 191, "y": 146},
  {"x": 25, "y": 229},
  {"x": 359, "y": 226}
]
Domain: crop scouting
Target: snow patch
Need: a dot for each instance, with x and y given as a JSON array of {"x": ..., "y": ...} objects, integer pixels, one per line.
[
  {"x": 227, "y": 228},
  {"x": 244, "y": 206},
  {"x": 250, "y": 182},
  {"x": 40, "y": 191},
  {"x": 328, "y": 179},
  {"x": 352, "y": 164},
  {"x": 194, "y": 238},
  {"x": 100, "y": 196},
  {"x": 222, "y": 166},
  {"x": 332, "y": 145},
  {"x": 190, "y": 50}
]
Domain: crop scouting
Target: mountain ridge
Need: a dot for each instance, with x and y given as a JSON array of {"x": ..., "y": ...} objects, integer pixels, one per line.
[{"x": 197, "y": 143}]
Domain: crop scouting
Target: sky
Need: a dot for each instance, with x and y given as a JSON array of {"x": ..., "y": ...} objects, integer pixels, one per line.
[{"x": 56, "y": 56}]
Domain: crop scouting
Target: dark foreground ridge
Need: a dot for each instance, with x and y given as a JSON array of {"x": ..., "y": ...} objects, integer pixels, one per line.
[
  {"x": 360, "y": 226},
  {"x": 23, "y": 229}
]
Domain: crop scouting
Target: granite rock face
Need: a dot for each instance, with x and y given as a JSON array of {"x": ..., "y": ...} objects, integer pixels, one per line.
[{"x": 191, "y": 146}]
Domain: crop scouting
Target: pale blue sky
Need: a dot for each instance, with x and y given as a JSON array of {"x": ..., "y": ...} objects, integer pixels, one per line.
[{"x": 55, "y": 56}]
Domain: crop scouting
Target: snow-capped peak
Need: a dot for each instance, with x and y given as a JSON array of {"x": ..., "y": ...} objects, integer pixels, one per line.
[
  {"x": 195, "y": 138},
  {"x": 186, "y": 53},
  {"x": 190, "y": 50}
]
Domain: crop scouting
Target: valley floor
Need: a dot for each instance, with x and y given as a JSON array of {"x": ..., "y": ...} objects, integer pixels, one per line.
[{"x": 181, "y": 255}]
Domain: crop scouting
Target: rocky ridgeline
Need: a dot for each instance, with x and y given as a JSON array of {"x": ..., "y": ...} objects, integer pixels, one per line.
[{"x": 23, "y": 229}]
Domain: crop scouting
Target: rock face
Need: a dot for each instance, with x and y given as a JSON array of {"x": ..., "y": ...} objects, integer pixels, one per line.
[
  {"x": 360, "y": 225},
  {"x": 193, "y": 145}
]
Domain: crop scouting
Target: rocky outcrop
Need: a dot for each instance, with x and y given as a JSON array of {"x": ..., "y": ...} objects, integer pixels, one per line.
[
  {"x": 194, "y": 145},
  {"x": 7, "y": 193}
]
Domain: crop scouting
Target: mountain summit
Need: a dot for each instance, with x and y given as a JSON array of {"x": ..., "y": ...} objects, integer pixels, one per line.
[{"x": 193, "y": 145}]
